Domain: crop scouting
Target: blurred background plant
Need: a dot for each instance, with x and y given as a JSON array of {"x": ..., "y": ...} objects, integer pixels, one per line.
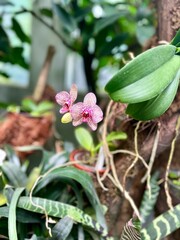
[{"x": 101, "y": 32}]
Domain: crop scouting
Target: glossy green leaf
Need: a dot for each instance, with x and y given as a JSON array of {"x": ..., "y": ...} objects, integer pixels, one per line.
[
  {"x": 149, "y": 86},
  {"x": 84, "y": 138},
  {"x": 154, "y": 107},
  {"x": 141, "y": 66}
]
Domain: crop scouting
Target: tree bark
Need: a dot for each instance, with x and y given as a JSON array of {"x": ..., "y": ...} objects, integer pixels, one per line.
[{"x": 168, "y": 18}]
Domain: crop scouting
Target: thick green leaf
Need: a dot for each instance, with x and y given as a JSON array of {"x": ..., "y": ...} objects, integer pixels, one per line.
[
  {"x": 154, "y": 107},
  {"x": 16, "y": 27},
  {"x": 62, "y": 228},
  {"x": 163, "y": 225},
  {"x": 149, "y": 86},
  {"x": 84, "y": 138},
  {"x": 141, "y": 66},
  {"x": 12, "y": 214}
]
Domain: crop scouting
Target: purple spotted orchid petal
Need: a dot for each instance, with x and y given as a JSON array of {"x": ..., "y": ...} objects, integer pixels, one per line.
[
  {"x": 87, "y": 111},
  {"x": 90, "y": 99},
  {"x": 66, "y": 99}
]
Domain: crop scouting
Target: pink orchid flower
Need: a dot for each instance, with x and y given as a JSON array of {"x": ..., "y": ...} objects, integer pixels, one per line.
[
  {"x": 66, "y": 99},
  {"x": 87, "y": 111}
]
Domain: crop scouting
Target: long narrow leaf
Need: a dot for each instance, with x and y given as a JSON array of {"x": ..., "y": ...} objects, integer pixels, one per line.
[
  {"x": 62, "y": 229},
  {"x": 80, "y": 177},
  {"x": 60, "y": 210},
  {"x": 22, "y": 215},
  {"x": 149, "y": 201},
  {"x": 12, "y": 214},
  {"x": 163, "y": 225}
]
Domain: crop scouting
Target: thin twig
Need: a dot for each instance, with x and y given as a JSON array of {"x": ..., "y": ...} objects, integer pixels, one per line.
[{"x": 166, "y": 186}]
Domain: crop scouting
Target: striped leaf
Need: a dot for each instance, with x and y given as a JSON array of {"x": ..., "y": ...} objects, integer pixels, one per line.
[
  {"x": 148, "y": 202},
  {"x": 60, "y": 210},
  {"x": 163, "y": 225}
]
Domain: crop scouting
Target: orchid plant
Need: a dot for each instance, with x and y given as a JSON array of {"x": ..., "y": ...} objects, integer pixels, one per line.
[{"x": 85, "y": 112}]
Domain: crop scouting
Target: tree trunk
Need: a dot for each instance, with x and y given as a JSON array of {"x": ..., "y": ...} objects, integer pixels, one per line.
[
  {"x": 119, "y": 209},
  {"x": 168, "y": 18}
]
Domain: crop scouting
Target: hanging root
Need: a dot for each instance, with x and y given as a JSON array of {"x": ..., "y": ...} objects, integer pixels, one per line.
[
  {"x": 151, "y": 161},
  {"x": 166, "y": 186},
  {"x": 136, "y": 154},
  {"x": 110, "y": 162}
]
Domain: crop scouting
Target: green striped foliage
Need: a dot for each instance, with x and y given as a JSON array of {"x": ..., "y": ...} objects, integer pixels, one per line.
[
  {"x": 149, "y": 199},
  {"x": 163, "y": 225}
]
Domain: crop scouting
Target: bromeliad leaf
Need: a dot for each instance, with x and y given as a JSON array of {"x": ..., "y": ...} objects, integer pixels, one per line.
[
  {"x": 82, "y": 178},
  {"x": 62, "y": 228},
  {"x": 149, "y": 201},
  {"x": 163, "y": 225},
  {"x": 60, "y": 210}
]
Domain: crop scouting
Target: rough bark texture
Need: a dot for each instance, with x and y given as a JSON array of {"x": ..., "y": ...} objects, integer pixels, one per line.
[{"x": 168, "y": 18}]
